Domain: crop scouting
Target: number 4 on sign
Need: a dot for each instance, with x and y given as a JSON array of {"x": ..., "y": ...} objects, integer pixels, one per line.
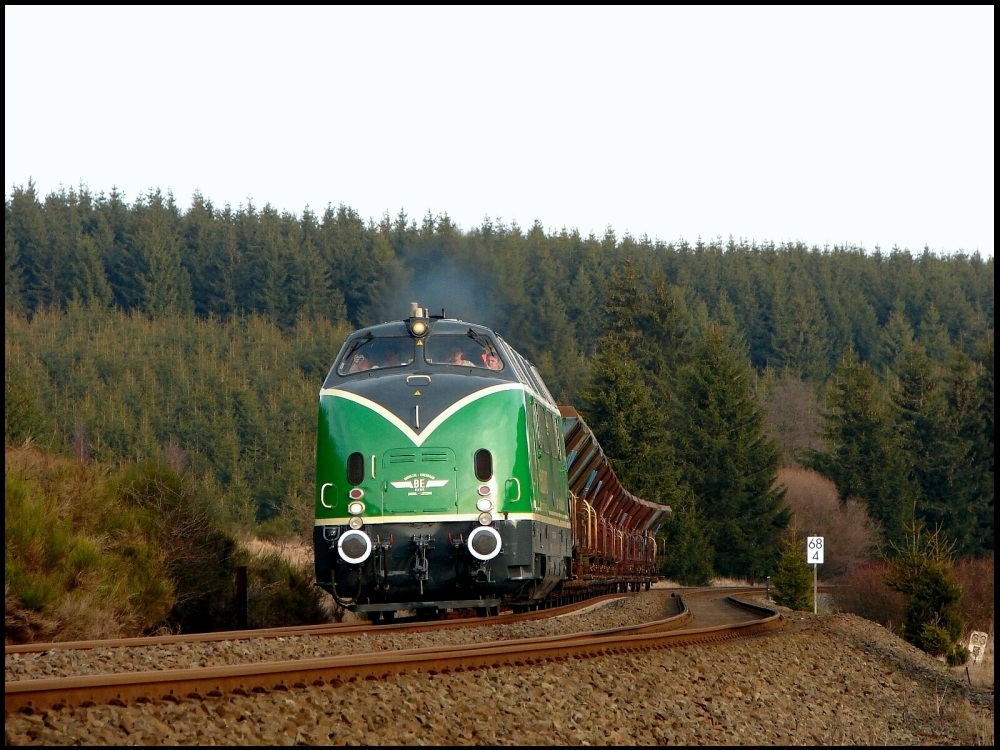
[{"x": 814, "y": 550}]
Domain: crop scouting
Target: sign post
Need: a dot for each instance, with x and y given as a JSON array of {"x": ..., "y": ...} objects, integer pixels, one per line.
[{"x": 814, "y": 556}]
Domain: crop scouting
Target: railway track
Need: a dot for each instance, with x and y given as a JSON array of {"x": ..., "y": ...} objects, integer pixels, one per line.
[
  {"x": 403, "y": 625},
  {"x": 699, "y": 616}
]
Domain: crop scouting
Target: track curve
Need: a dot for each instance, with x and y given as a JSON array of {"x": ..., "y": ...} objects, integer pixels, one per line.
[{"x": 699, "y": 617}]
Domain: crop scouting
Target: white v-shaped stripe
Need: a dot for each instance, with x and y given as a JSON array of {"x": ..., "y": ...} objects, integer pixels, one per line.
[{"x": 419, "y": 440}]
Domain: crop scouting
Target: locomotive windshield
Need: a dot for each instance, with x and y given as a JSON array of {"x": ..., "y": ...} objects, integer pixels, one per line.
[
  {"x": 371, "y": 353},
  {"x": 461, "y": 350}
]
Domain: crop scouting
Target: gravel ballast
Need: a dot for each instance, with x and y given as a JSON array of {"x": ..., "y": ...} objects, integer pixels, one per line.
[{"x": 823, "y": 679}]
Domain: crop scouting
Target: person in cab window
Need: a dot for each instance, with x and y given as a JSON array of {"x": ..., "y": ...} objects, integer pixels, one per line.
[
  {"x": 458, "y": 358},
  {"x": 491, "y": 361},
  {"x": 360, "y": 363}
]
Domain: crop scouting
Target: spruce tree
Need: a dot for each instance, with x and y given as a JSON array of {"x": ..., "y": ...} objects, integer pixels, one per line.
[
  {"x": 686, "y": 554},
  {"x": 863, "y": 453},
  {"x": 618, "y": 406},
  {"x": 626, "y": 399},
  {"x": 727, "y": 459},
  {"x": 792, "y": 577},
  {"x": 935, "y": 412}
]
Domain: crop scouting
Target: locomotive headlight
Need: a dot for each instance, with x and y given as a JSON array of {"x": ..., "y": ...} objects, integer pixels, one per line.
[
  {"x": 485, "y": 519},
  {"x": 354, "y": 546},
  {"x": 484, "y": 504},
  {"x": 484, "y": 543},
  {"x": 355, "y": 507},
  {"x": 356, "y": 523},
  {"x": 418, "y": 328}
]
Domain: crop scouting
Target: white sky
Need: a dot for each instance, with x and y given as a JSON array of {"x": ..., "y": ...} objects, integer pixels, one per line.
[{"x": 868, "y": 126}]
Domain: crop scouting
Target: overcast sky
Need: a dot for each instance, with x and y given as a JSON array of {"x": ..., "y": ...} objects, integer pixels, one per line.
[{"x": 864, "y": 126}]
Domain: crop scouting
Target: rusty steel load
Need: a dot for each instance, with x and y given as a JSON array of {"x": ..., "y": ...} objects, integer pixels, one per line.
[{"x": 614, "y": 530}]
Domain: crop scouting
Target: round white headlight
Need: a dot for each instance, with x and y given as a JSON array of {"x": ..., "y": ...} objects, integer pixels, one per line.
[
  {"x": 355, "y": 507},
  {"x": 484, "y": 504},
  {"x": 484, "y": 543},
  {"x": 354, "y": 546}
]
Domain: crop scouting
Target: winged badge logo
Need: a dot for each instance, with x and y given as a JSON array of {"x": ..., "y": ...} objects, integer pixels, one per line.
[{"x": 419, "y": 484}]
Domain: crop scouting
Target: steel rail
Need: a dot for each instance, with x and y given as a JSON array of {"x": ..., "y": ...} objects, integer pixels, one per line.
[
  {"x": 403, "y": 625},
  {"x": 30, "y": 696}
]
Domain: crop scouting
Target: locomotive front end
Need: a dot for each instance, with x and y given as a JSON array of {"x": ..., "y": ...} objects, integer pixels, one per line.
[{"x": 422, "y": 472}]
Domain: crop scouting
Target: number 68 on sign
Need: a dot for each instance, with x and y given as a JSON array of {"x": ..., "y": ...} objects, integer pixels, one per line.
[{"x": 814, "y": 550}]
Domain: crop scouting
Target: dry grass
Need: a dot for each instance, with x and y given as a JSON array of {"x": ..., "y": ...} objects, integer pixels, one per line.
[{"x": 294, "y": 551}]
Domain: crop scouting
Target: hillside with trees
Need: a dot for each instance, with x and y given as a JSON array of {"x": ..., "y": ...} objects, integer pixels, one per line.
[{"x": 197, "y": 340}]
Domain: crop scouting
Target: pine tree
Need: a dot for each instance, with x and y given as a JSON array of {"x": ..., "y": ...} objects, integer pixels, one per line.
[
  {"x": 686, "y": 554},
  {"x": 799, "y": 338},
  {"x": 983, "y": 450},
  {"x": 623, "y": 401},
  {"x": 166, "y": 286},
  {"x": 24, "y": 412},
  {"x": 27, "y": 238},
  {"x": 618, "y": 406},
  {"x": 13, "y": 279},
  {"x": 727, "y": 458},
  {"x": 895, "y": 336},
  {"x": 120, "y": 252},
  {"x": 863, "y": 454},
  {"x": 935, "y": 412},
  {"x": 792, "y": 577}
]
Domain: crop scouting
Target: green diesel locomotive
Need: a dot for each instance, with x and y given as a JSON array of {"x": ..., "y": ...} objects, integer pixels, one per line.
[{"x": 447, "y": 478}]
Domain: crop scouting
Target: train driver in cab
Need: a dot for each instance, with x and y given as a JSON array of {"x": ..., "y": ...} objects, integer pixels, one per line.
[
  {"x": 359, "y": 363},
  {"x": 398, "y": 353},
  {"x": 458, "y": 358}
]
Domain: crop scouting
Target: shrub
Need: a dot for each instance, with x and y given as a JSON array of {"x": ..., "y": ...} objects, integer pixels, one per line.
[
  {"x": 793, "y": 577},
  {"x": 281, "y": 593},
  {"x": 920, "y": 569},
  {"x": 88, "y": 556},
  {"x": 201, "y": 561},
  {"x": 74, "y": 557}
]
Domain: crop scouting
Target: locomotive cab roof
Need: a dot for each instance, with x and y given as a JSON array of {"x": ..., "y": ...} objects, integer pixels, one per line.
[{"x": 436, "y": 338}]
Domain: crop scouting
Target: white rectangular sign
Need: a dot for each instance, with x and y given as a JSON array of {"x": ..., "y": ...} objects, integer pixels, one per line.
[
  {"x": 978, "y": 641},
  {"x": 814, "y": 550}
]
